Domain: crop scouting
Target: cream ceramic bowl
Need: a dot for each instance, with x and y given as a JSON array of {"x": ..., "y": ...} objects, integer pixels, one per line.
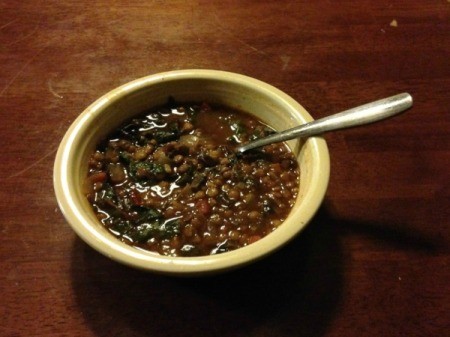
[{"x": 266, "y": 102}]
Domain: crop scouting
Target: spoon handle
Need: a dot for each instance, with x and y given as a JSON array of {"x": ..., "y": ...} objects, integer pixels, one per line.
[{"x": 364, "y": 114}]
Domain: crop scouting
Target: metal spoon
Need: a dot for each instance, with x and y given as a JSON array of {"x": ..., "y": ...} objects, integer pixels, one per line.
[{"x": 364, "y": 114}]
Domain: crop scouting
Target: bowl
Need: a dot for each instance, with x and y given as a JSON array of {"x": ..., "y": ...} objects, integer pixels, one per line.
[{"x": 269, "y": 104}]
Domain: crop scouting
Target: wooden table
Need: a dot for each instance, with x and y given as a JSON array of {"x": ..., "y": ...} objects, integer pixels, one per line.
[{"x": 374, "y": 261}]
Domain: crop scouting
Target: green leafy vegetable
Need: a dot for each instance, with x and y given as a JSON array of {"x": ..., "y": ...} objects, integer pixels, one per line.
[
  {"x": 151, "y": 224},
  {"x": 147, "y": 214},
  {"x": 156, "y": 229},
  {"x": 146, "y": 170},
  {"x": 171, "y": 133}
]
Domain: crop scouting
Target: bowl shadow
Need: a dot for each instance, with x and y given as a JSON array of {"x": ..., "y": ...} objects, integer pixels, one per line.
[{"x": 294, "y": 292}]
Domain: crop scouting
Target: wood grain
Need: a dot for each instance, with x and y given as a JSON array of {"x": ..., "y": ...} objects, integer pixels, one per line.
[{"x": 374, "y": 261}]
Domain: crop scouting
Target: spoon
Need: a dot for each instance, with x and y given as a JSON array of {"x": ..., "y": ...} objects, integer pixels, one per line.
[{"x": 364, "y": 114}]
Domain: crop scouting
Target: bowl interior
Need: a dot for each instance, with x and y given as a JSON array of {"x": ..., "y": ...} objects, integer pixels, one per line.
[{"x": 266, "y": 102}]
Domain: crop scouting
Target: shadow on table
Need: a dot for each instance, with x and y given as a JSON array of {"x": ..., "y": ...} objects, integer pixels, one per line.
[{"x": 294, "y": 292}]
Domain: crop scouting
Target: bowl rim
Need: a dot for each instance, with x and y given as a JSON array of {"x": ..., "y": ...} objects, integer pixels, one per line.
[{"x": 113, "y": 248}]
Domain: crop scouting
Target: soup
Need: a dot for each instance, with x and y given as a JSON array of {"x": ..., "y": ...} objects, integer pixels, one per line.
[{"x": 169, "y": 181}]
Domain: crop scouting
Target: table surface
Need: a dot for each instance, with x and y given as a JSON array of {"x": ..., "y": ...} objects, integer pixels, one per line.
[{"x": 374, "y": 261}]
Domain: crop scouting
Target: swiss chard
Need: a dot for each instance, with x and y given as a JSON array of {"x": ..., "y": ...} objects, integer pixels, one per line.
[
  {"x": 143, "y": 170},
  {"x": 156, "y": 229}
]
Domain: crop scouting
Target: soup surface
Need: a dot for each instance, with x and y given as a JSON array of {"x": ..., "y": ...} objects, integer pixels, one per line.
[{"x": 170, "y": 182}]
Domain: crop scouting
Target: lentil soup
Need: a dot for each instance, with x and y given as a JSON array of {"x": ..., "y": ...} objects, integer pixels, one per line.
[{"x": 170, "y": 182}]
